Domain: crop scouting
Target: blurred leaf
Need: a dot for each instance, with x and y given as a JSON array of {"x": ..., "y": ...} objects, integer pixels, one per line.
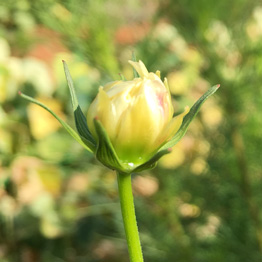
[
  {"x": 64, "y": 124},
  {"x": 51, "y": 179},
  {"x": 42, "y": 123}
]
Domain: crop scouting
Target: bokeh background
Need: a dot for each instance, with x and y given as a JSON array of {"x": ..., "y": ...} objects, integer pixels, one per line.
[{"x": 202, "y": 202}]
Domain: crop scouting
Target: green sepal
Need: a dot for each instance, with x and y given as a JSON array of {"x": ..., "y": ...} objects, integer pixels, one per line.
[
  {"x": 122, "y": 77},
  {"x": 105, "y": 151},
  {"x": 83, "y": 131},
  {"x": 189, "y": 117},
  {"x": 80, "y": 119},
  {"x": 71, "y": 131},
  {"x": 153, "y": 161}
]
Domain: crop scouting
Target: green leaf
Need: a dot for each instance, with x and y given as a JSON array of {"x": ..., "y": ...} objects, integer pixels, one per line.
[
  {"x": 189, "y": 117},
  {"x": 64, "y": 124},
  {"x": 105, "y": 152},
  {"x": 152, "y": 162},
  {"x": 80, "y": 119}
]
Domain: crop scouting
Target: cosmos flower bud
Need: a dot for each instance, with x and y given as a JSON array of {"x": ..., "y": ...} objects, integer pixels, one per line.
[
  {"x": 130, "y": 124},
  {"x": 137, "y": 115}
]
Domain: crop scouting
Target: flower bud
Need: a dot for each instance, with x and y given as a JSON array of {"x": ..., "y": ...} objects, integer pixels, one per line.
[{"x": 137, "y": 115}]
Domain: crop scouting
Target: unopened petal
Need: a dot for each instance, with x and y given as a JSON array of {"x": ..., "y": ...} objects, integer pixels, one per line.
[
  {"x": 158, "y": 73},
  {"x": 139, "y": 127},
  {"x": 171, "y": 129},
  {"x": 102, "y": 109},
  {"x": 168, "y": 97},
  {"x": 140, "y": 68},
  {"x": 111, "y": 84},
  {"x": 136, "y": 114}
]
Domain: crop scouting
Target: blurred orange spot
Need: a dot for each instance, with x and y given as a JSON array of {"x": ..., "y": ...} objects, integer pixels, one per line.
[
  {"x": 48, "y": 45},
  {"x": 131, "y": 34},
  {"x": 189, "y": 210},
  {"x": 105, "y": 249},
  {"x": 145, "y": 185},
  {"x": 78, "y": 182}
]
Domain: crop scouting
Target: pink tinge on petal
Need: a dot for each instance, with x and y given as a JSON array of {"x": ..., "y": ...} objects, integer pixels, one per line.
[{"x": 161, "y": 97}]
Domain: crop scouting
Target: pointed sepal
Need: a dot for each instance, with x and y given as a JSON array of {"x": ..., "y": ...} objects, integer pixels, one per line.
[
  {"x": 70, "y": 130},
  {"x": 80, "y": 119},
  {"x": 189, "y": 117},
  {"x": 152, "y": 162},
  {"x": 105, "y": 151}
]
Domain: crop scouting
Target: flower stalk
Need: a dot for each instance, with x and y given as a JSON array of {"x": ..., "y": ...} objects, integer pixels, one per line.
[{"x": 129, "y": 217}]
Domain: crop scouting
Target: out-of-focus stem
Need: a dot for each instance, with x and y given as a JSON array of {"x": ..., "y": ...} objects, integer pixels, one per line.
[{"x": 245, "y": 182}]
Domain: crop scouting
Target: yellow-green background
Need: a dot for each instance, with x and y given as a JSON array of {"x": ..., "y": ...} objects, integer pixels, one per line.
[{"x": 203, "y": 201}]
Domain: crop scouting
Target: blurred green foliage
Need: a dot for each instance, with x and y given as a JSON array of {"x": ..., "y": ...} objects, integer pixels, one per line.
[{"x": 202, "y": 203}]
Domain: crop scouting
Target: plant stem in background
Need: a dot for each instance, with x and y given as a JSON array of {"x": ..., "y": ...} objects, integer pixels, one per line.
[
  {"x": 238, "y": 145},
  {"x": 129, "y": 217}
]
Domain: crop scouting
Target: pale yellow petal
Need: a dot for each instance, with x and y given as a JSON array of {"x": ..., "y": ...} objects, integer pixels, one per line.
[
  {"x": 171, "y": 129},
  {"x": 102, "y": 109},
  {"x": 111, "y": 84},
  {"x": 158, "y": 73},
  {"x": 140, "y": 126},
  {"x": 140, "y": 68},
  {"x": 163, "y": 98},
  {"x": 166, "y": 84},
  {"x": 122, "y": 88}
]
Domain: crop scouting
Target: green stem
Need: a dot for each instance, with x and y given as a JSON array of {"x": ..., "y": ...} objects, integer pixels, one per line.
[{"x": 129, "y": 217}]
